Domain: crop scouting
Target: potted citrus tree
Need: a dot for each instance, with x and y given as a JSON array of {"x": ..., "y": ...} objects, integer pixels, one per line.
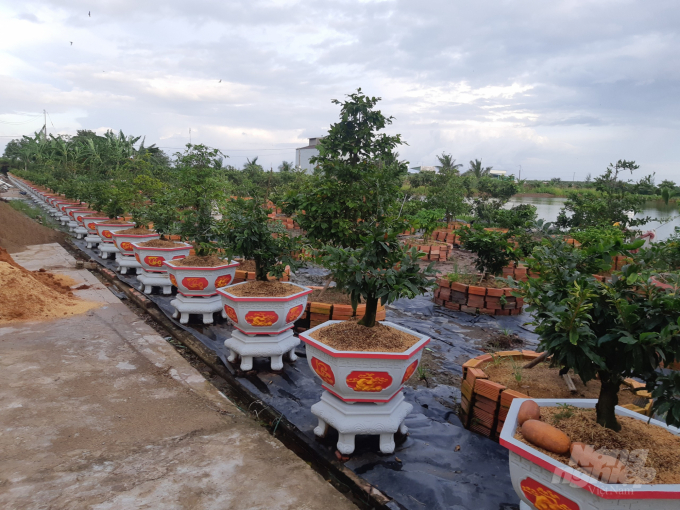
[
  {"x": 191, "y": 205},
  {"x": 142, "y": 187},
  {"x": 352, "y": 214},
  {"x": 263, "y": 311},
  {"x": 613, "y": 330}
]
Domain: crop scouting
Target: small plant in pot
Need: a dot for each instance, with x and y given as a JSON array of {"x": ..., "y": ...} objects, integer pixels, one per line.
[
  {"x": 114, "y": 200},
  {"x": 138, "y": 206},
  {"x": 262, "y": 311},
  {"x": 368, "y": 362},
  {"x": 188, "y": 210},
  {"x": 613, "y": 331}
]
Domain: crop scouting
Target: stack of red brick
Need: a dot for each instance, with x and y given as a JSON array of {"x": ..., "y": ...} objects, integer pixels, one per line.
[
  {"x": 473, "y": 299},
  {"x": 518, "y": 272},
  {"x": 242, "y": 276},
  {"x": 484, "y": 403},
  {"x": 433, "y": 253},
  {"x": 318, "y": 313}
]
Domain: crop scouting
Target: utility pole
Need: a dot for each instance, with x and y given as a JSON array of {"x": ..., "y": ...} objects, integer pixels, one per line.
[
  {"x": 45, "y": 126},
  {"x": 189, "y": 135},
  {"x": 520, "y": 173}
]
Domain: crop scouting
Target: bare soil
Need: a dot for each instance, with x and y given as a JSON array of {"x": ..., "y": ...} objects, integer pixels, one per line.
[
  {"x": 264, "y": 289},
  {"x": 488, "y": 282},
  {"x": 161, "y": 243},
  {"x": 136, "y": 231},
  {"x": 116, "y": 222},
  {"x": 18, "y": 231},
  {"x": 246, "y": 265},
  {"x": 503, "y": 342},
  {"x": 580, "y": 425},
  {"x": 331, "y": 296},
  {"x": 350, "y": 336},
  {"x": 24, "y": 296},
  {"x": 542, "y": 381},
  {"x": 196, "y": 261}
]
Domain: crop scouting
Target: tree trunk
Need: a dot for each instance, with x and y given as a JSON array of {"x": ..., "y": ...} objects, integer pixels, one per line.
[
  {"x": 260, "y": 270},
  {"x": 371, "y": 310},
  {"x": 607, "y": 402}
]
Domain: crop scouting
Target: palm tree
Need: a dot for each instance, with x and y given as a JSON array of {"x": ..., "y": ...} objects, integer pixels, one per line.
[
  {"x": 477, "y": 170},
  {"x": 286, "y": 166},
  {"x": 447, "y": 164}
]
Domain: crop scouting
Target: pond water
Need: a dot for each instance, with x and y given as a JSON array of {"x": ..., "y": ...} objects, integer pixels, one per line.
[{"x": 549, "y": 208}]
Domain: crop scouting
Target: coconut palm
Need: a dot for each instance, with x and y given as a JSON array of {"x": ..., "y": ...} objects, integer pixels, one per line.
[
  {"x": 477, "y": 170},
  {"x": 447, "y": 164}
]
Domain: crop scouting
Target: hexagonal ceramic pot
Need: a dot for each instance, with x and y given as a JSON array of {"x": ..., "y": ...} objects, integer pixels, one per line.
[
  {"x": 124, "y": 241},
  {"x": 105, "y": 230},
  {"x": 79, "y": 216},
  {"x": 151, "y": 259},
  {"x": 543, "y": 482},
  {"x": 357, "y": 376},
  {"x": 200, "y": 281},
  {"x": 90, "y": 223},
  {"x": 63, "y": 206},
  {"x": 264, "y": 315}
]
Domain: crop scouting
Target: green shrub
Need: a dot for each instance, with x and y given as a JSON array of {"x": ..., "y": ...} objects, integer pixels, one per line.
[{"x": 492, "y": 248}]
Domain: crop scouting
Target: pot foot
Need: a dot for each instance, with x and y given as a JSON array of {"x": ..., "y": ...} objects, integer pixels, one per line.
[
  {"x": 387, "y": 443},
  {"x": 246, "y": 363},
  {"x": 291, "y": 355},
  {"x": 321, "y": 429},
  {"x": 277, "y": 362},
  {"x": 346, "y": 443}
]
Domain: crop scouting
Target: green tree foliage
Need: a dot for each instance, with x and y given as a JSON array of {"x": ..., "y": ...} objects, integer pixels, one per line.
[
  {"x": 448, "y": 192},
  {"x": 612, "y": 330},
  {"x": 447, "y": 164},
  {"x": 476, "y": 169},
  {"x": 356, "y": 180},
  {"x": 246, "y": 231},
  {"x": 427, "y": 220},
  {"x": 380, "y": 270},
  {"x": 492, "y": 195},
  {"x": 616, "y": 202},
  {"x": 492, "y": 248}
]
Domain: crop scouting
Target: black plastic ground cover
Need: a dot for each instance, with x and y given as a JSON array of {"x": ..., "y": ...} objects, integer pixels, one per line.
[{"x": 427, "y": 470}]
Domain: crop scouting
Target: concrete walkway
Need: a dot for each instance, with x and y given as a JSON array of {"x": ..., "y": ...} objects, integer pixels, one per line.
[{"x": 97, "y": 411}]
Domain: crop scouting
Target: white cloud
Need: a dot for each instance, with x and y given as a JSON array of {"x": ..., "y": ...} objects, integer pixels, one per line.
[{"x": 553, "y": 87}]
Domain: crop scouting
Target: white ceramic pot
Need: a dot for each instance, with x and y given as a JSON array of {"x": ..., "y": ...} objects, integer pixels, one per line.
[
  {"x": 355, "y": 376},
  {"x": 90, "y": 223},
  {"x": 124, "y": 241},
  {"x": 200, "y": 281},
  {"x": 264, "y": 315},
  {"x": 542, "y": 482},
  {"x": 151, "y": 259},
  {"x": 105, "y": 230},
  {"x": 79, "y": 216}
]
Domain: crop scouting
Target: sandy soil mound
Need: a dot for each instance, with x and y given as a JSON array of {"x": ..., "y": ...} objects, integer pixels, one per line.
[
  {"x": 24, "y": 296},
  {"x": 18, "y": 230}
]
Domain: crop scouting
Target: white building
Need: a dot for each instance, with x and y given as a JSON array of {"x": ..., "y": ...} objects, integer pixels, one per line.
[
  {"x": 418, "y": 169},
  {"x": 303, "y": 154}
]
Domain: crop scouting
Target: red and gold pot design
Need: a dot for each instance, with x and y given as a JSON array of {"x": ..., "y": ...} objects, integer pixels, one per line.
[
  {"x": 124, "y": 241},
  {"x": 200, "y": 281},
  {"x": 105, "y": 229},
  {"x": 90, "y": 223},
  {"x": 358, "y": 376},
  {"x": 264, "y": 315},
  {"x": 151, "y": 259}
]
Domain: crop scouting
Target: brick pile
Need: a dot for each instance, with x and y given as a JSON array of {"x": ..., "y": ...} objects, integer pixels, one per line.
[{"x": 473, "y": 299}]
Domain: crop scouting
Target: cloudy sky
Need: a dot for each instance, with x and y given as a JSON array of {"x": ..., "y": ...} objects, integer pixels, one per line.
[{"x": 558, "y": 87}]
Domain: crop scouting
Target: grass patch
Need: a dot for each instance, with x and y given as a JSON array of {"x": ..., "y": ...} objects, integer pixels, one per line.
[{"x": 35, "y": 213}]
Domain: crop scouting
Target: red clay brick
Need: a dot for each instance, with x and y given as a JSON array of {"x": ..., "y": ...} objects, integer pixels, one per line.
[
  {"x": 460, "y": 287},
  {"x": 444, "y": 283},
  {"x": 468, "y": 309},
  {"x": 486, "y": 404},
  {"x": 477, "y": 291},
  {"x": 439, "y": 302},
  {"x": 466, "y": 390},
  {"x": 444, "y": 293},
  {"x": 474, "y": 374},
  {"x": 488, "y": 389},
  {"x": 495, "y": 292},
  {"x": 475, "y": 301},
  {"x": 458, "y": 297},
  {"x": 452, "y": 306},
  {"x": 509, "y": 395}
]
